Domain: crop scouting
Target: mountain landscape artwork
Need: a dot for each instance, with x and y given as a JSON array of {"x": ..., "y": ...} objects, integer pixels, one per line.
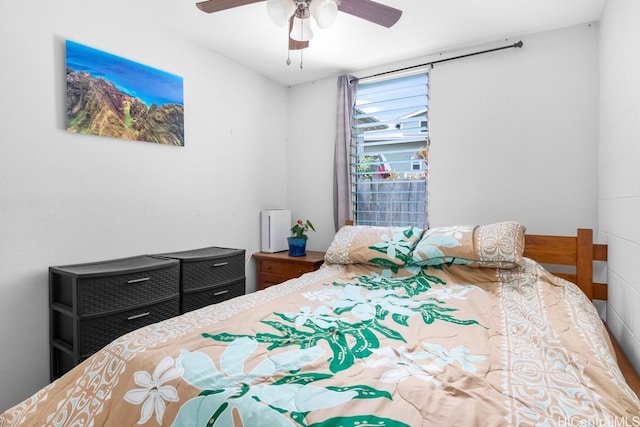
[{"x": 108, "y": 95}]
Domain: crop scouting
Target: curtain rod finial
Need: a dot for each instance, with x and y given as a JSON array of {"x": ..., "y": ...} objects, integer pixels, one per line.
[{"x": 519, "y": 44}]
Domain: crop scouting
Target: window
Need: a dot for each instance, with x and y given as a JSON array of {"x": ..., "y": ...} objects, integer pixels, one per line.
[{"x": 389, "y": 152}]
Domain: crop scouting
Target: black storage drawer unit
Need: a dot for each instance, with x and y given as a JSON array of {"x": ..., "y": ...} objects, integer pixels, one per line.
[
  {"x": 95, "y": 303},
  {"x": 209, "y": 275}
]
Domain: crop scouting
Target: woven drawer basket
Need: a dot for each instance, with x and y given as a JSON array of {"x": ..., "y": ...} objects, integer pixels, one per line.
[
  {"x": 105, "y": 294},
  {"x": 212, "y": 272},
  {"x": 214, "y": 295},
  {"x": 95, "y": 333}
]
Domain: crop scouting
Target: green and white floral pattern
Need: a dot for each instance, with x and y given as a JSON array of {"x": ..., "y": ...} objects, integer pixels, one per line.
[
  {"x": 258, "y": 400},
  {"x": 347, "y": 319}
]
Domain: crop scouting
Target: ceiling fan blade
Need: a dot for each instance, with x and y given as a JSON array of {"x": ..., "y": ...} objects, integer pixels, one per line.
[
  {"x": 296, "y": 44},
  {"x": 371, "y": 11},
  {"x": 211, "y": 6}
]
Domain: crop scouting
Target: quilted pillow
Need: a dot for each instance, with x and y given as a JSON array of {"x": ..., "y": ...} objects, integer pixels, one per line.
[
  {"x": 382, "y": 246},
  {"x": 498, "y": 245}
]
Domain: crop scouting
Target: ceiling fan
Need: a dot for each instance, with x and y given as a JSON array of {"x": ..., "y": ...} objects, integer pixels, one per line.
[{"x": 298, "y": 13}]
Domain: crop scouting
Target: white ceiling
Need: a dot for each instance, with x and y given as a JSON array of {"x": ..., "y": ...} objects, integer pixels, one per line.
[{"x": 246, "y": 34}]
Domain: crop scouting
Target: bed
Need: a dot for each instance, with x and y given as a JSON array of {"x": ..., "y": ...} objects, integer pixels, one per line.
[{"x": 400, "y": 327}]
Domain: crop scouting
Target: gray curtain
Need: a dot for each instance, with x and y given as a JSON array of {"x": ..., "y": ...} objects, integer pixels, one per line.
[{"x": 347, "y": 87}]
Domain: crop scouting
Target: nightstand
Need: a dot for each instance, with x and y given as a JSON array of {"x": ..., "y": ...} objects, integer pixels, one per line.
[{"x": 274, "y": 268}]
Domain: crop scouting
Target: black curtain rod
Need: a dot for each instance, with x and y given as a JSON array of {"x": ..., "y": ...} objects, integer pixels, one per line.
[{"x": 432, "y": 63}]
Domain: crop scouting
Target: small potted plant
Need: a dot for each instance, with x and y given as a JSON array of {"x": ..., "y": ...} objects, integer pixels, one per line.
[{"x": 298, "y": 240}]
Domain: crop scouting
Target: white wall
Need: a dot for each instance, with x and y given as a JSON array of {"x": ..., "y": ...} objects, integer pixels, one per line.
[
  {"x": 514, "y": 136},
  {"x": 619, "y": 172},
  {"x": 312, "y": 129},
  {"x": 67, "y": 198}
]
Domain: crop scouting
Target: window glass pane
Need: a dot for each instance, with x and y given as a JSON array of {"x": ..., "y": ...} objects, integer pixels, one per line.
[{"x": 389, "y": 147}]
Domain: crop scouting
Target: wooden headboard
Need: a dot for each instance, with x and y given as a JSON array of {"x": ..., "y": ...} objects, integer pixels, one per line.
[{"x": 578, "y": 252}]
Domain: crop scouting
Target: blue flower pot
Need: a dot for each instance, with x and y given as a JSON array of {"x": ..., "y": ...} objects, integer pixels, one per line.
[{"x": 297, "y": 246}]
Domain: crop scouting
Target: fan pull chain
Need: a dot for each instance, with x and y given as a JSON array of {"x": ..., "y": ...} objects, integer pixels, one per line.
[
  {"x": 301, "y": 53},
  {"x": 288, "y": 48}
]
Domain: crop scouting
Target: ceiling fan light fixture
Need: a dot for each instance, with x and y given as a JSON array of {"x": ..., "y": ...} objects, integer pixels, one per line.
[
  {"x": 280, "y": 11},
  {"x": 297, "y": 14},
  {"x": 301, "y": 29},
  {"x": 324, "y": 12}
]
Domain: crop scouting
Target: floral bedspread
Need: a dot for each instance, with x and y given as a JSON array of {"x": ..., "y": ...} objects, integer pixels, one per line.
[{"x": 355, "y": 345}]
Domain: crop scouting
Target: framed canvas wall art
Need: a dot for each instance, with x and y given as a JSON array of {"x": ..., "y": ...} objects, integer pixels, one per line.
[{"x": 111, "y": 96}]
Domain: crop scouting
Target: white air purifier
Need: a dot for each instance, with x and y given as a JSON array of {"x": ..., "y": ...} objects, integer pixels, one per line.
[{"x": 276, "y": 227}]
